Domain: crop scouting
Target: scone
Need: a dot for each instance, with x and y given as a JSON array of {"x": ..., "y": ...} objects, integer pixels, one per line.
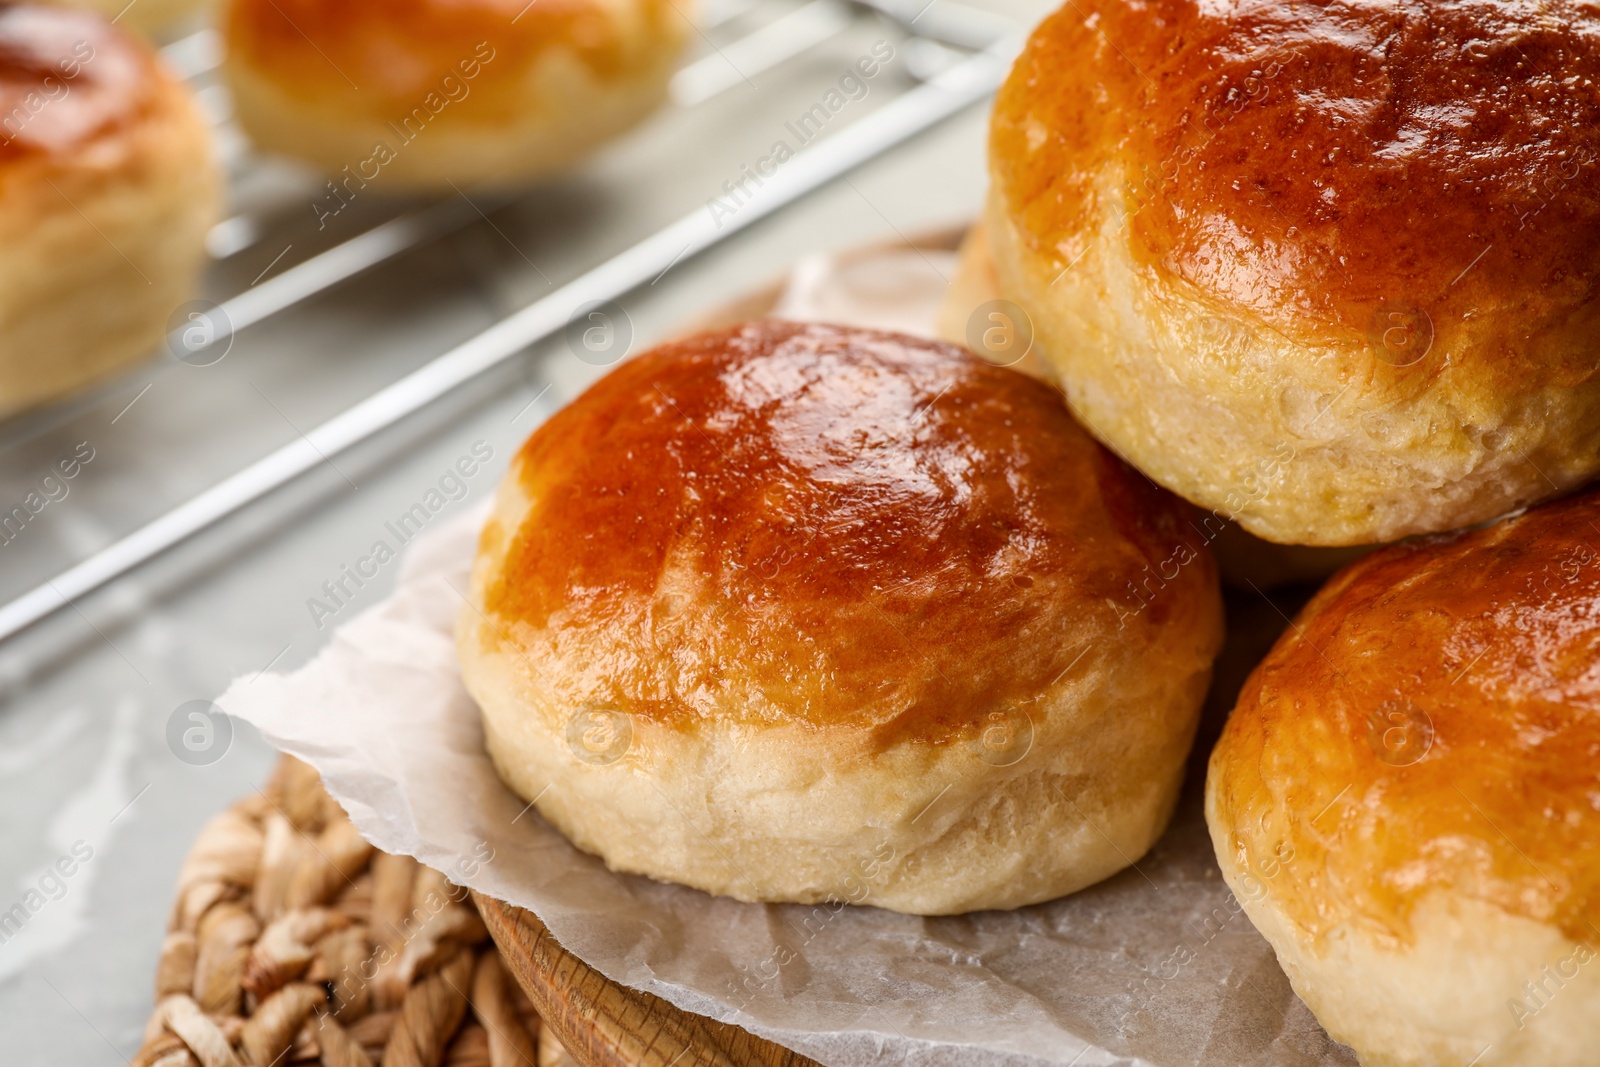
[
  {"x": 425, "y": 93},
  {"x": 796, "y": 612},
  {"x": 1406, "y": 799},
  {"x": 1332, "y": 268},
  {"x": 107, "y": 189}
]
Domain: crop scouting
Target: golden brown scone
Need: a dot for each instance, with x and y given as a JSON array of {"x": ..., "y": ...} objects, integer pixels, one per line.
[
  {"x": 1406, "y": 799},
  {"x": 424, "y": 93},
  {"x": 1330, "y": 268},
  {"x": 796, "y": 612},
  {"x": 107, "y": 189}
]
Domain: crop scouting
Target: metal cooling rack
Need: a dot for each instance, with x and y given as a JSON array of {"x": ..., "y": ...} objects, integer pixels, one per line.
[{"x": 955, "y": 55}]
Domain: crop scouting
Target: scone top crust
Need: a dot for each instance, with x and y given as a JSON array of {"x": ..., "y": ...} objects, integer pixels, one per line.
[
  {"x": 833, "y": 527},
  {"x": 1324, "y": 166},
  {"x": 67, "y": 77},
  {"x": 1431, "y": 721},
  {"x": 384, "y": 60}
]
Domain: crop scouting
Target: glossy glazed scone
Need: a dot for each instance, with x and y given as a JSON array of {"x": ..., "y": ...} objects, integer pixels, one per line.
[
  {"x": 423, "y": 93},
  {"x": 107, "y": 189},
  {"x": 797, "y": 612},
  {"x": 1406, "y": 799},
  {"x": 1327, "y": 267}
]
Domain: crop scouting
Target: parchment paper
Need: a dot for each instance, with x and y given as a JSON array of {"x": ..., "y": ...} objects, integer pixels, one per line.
[{"x": 1156, "y": 966}]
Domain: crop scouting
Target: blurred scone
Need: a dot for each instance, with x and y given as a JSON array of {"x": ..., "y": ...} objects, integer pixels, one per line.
[
  {"x": 425, "y": 93},
  {"x": 1406, "y": 799},
  {"x": 796, "y": 612},
  {"x": 1334, "y": 268},
  {"x": 107, "y": 189}
]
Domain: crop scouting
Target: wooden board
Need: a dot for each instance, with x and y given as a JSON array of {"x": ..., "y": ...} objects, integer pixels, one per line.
[{"x": 603, "y": 1024}]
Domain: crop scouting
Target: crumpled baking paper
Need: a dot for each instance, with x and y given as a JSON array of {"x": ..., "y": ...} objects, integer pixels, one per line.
[{"x": 1155, "y": 966}]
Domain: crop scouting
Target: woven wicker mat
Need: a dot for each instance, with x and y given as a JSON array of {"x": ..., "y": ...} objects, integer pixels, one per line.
[{"x": 292, "y": 941}]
